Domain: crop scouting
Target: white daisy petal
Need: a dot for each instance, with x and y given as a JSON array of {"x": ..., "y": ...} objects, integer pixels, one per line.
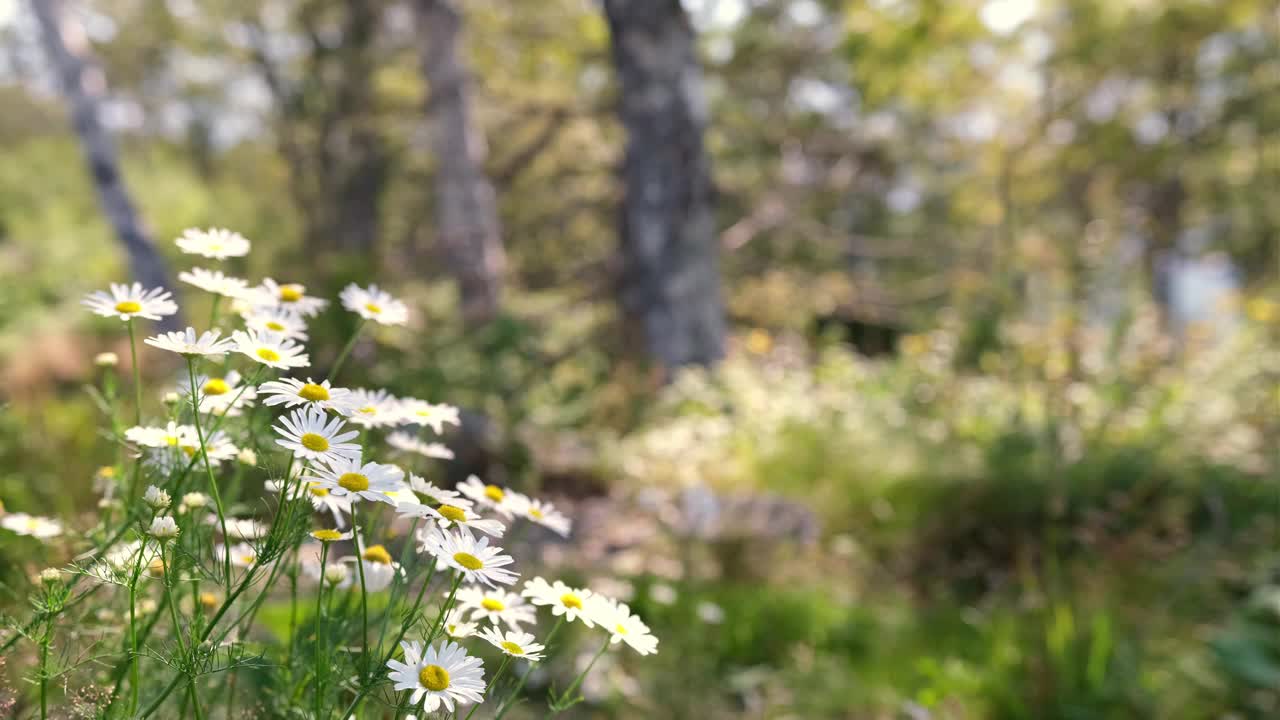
[{"x": 129, "y": 301}]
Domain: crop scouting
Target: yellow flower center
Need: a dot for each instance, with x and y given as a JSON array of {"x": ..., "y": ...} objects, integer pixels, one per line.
[
  {"x": 326, "y": 535},
  {"x": 373, "y": 308},
  {"x": 216, "y": 386},
  {"x": 107, "y": 471},
  {"x": 318, "y": 491},
  {"x": 248, "y": 559},
  {"x": 268, "y": 354},
  {"x": 492, "y": 605},
  {"x": 156, "y": 566},
  {"x": 620, "y": 629},
  {"x": 313, "y": 393},
  {"x": 171, "y": 440},
  {"x": 273, "y": 325},
  {"x": 190, "y": 450},
  {"x": 355, "y": 482},
  {"x": 455, "y": 514},
  {"x": 494, "y": 493},
  {"x": 378, "y": 554},
  {"x": 209, "y": 600},
  {"x": 535, "y": 513},
  {"x": 434, "y": 678},
  {"x": 468, "y": 561},
  {"x": 512, "y": 648},
  {"x": 570, "y": 600},
  {"x": 314, "y": 442},
  {"x": 367, "y": 410},
  {"x": 128, "y": 306},
  {"x": 290, "y": 293}
]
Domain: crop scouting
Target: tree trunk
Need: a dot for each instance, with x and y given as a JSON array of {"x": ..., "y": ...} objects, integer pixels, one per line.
[
  {"x": 84, "y": 85},
  {"x": 670, "y": 276},
  {"x": 466, "y": 209}
]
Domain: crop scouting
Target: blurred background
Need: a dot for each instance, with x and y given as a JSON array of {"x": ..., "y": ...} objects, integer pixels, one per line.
[{"x": 897, "y": 358}]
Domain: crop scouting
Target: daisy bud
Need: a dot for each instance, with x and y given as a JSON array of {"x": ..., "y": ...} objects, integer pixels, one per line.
[
  {"x": 248, "y": 457},
  {"x": 335, "y": 574},
  {"x": 106, "y": 360},
  {"x": 163, "y": 528},
  {"x": 50, "y": 575},
  {"x": 171, "y": 398},
  {"x": 148, "y": 606},
  {"x": 156, "y": 498},
  {"x": 194, "y": 500}
]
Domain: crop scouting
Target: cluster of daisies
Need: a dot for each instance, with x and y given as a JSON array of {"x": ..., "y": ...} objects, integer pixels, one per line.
[{"x": 325, "y": 434}]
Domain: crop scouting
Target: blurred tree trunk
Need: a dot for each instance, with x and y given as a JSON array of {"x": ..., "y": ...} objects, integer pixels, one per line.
[
  {"x": 466, "y": 210},
  {"x": 670, "y": 275},
  {"x": 84, "y": 85}
]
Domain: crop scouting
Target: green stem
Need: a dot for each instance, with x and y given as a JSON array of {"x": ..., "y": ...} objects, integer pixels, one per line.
[
  {"x": 573, "y": 688},
  {"x": 493, "y": 682},
  {"x": 134, "y": 679},
  {"x": 44, "y": 671},
  {"x": 346, "y": 350},
  {"x": 213, "y": 485},
  {"x": 511, "y": 699},
  {"x": 213, "y": 314},
  {"x": 137, "y": 375},
  {"x": 364, "y": 600},
  {"x": 169, "y": 599},
  {"x": 319, "y": 649},
  {"x": 195, "y": 699}
]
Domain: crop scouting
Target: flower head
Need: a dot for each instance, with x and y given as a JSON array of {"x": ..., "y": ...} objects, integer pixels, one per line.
[
  {"x": 322, "y": 499},
  {"x": 270, "y": 349},
  {"x": 474, "y": 559},
  {"x": 291, "y": 296},
  {"x": 242, "y": 554},
  {"x": 163, "y": 528},
  {"x": 616, "y": 618},
  {"x": 328, "y": 535},
  {"x": 188, "y": 344},
  {"x": 276, "y": 318},
  {"x": 221, "y": 395},
  {"x": 514, "y": 643},
  {"x": 129, "y": 301},
  {"x": 421, "y": 412},
  {"x": 216, "y": 282},
  {"x": 539, "y": 512},
  {"x": 437, "y": 495},
  {"x": 489, "y": 496},
  {"x": 373, "y": 408},
  {"x": 32, "y": 525},
  {"x": 374, "y": 304},
  {"x": 378, "y": 566},
  {"x": 349, "y": 477},
  {"x": 408, "y": 443},
  {"x": 156, "y": 498},
  {"x": 291, "y": 392},
  {"x": 450, "y": 515},
  {"x": 313, "y": 435},
  {"x": 214, "y": 243},
  {"x": 563, "y": 600},
  {"x": 435, "y": 677},
  {"x": 495, "y": 605}
]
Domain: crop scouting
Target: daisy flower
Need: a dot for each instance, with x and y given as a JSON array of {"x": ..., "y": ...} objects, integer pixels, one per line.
[
  {"x": 270, "y": 349},
  {"x": 242, "y": 554},
  {"x": 347, "y": 477},
  {"x": 279, "y": 319},
  {"x": 163, "y": 527},
  {"x": 495, "y": 606},
  {"x": 32, "y": 525},
  {"x": 187, "y": 344},
  {"x": 288, "y": 295},
  {"x": 116, "y": 566},
  {"x": 622, "y": 626},
  {"x": 374, "y": 304},
  {"x": 291, "y": 391},
  {"x": 379, "y": 568},
  {"x": 215, "y": 281},
  {"x": 437, "y": 677},
  {"x": 514, "y": 643},
  {"x": 243, "y": 528},
  {"x": 217, "y": 446},
  {"x": 460, "y": 550},
  {"x": 537, "y": 511},
  {"x": 155, "y": 437},
  {"x": 129, "y": 301},
  {"x": 421, "y": 412},
  {"x": 450, "y": 515},
  {"x": 214, "y": 243},
  {"x": 328, "y": 535},
  {"x": 438, "y": 495},
  {"x": 490, "y": 496},
  {"x": 563, "y": 600},
  {"x": 221, "y": 395},
  {"x": 454, "y": 626},
  {"x": 408, "y": 443},
  {"x": 373, "y": 408},
  {"x": 313, "y": 435},
  {"x": 321, "y": 499}
]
